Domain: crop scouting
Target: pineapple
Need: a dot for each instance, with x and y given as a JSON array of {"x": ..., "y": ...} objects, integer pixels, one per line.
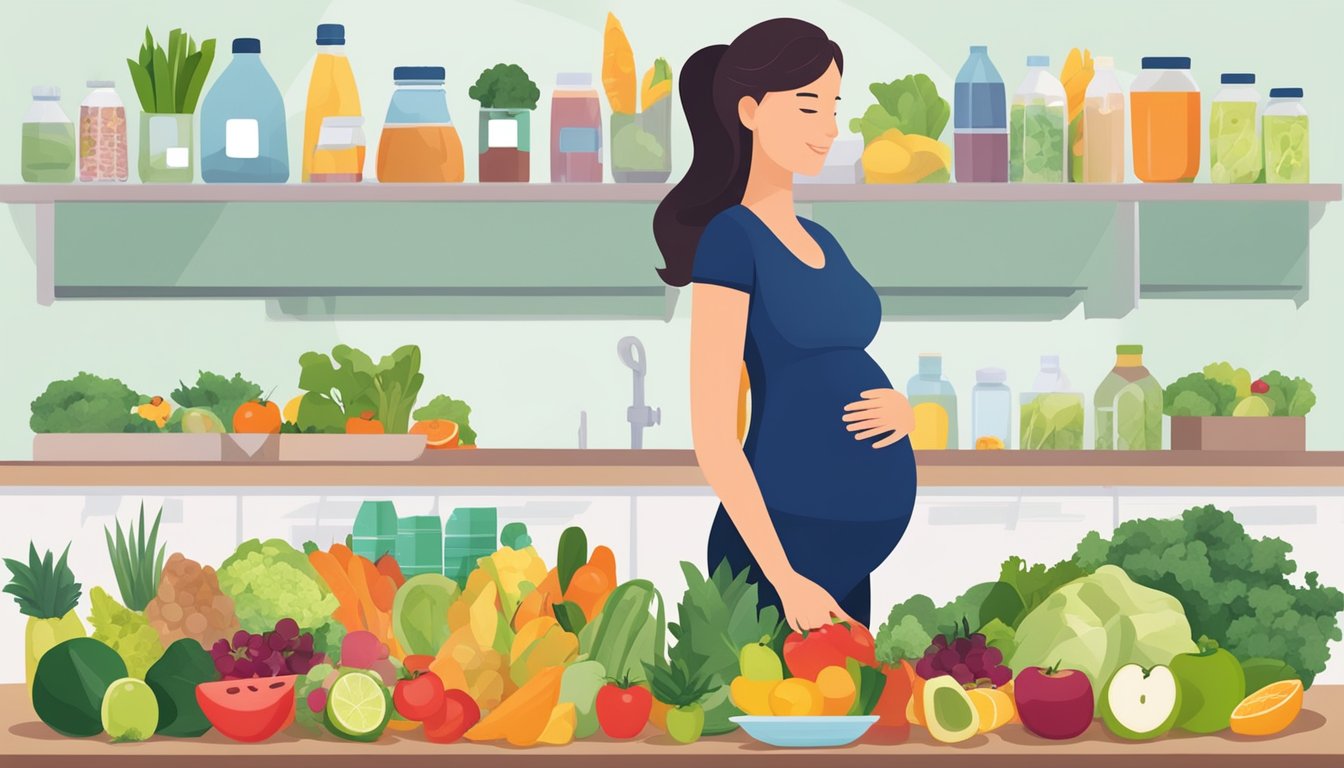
[
  {"x": 190, "y": 604},
  {"x": 47, "y": 595}
]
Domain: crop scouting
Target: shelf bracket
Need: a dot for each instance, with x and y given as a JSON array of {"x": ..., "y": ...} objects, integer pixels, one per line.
[
  {"x": 46, "y": 253},
  {"x": 1114, "y": 290}
]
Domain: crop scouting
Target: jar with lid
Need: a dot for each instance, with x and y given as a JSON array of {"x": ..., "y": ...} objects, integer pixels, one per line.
[
  {"x": 991, "y": 409},
  {"x": 419, "y": 143},
  {"x": 934, "y": 402},
  {"x": 1236, "y": 154},
  {"x": 1164, "y": 120},
  {"x": 576, "y": 129},
  {"x": 48, "y": 150},
  {"x": 102, "y": 134},
  {"x": 1037, "y": 125},
  {"x": 339, "y": 153},
  {"x": 1129, "y": 405},
  {"x": 1287, "y": 152}
]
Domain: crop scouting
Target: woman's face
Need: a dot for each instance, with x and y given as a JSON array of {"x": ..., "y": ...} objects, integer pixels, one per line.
[{"x": 795, "y": 129}]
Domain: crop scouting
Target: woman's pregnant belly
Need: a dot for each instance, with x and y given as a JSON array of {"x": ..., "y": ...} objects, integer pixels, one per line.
[{"x": 806, "y": 461}]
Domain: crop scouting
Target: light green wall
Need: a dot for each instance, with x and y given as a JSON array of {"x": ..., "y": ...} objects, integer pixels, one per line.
[{"x": 528, "y": 380}]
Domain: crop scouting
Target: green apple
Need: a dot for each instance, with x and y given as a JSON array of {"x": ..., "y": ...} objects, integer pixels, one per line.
[
  {"x": 1140, "y": 703},
  {"x": 1212, "y": 685}
]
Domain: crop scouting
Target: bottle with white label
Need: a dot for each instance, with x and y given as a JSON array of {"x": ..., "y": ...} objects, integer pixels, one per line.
[{"x": 243, "y": 123}]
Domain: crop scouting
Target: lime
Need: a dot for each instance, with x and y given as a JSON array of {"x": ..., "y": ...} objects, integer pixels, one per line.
[
  {"x": 358, "y": 706},
  {"x": 130, "y": 711},
  {"x": 1254, "y": 405}
]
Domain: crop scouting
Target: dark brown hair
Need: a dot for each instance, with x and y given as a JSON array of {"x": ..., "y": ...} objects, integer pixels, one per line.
[{"x": 775, "y": 55}]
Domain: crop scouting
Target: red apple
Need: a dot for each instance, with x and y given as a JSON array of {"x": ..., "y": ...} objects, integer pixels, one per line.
[
  {"x": 1053, "y": 703},
  {"x": 807, "y": 654}
]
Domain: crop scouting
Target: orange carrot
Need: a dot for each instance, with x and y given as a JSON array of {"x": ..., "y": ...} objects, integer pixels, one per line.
[
  {"x": 588, "y": 589},
  {"x": 604, "y": 559},
  {"x": 342, "y": 554},
  {"x": 329, "y": 569},
  {"x": 387, "y": 565}
]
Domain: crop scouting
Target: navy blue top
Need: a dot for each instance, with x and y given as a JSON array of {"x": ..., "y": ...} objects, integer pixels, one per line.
[{"x": 807, "y": 334}]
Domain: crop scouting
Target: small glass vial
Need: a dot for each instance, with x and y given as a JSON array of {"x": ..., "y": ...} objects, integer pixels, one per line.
[{"x": 991, "y": 409}]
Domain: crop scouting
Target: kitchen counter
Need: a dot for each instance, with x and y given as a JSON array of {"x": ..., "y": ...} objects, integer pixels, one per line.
[
  {"x": 677, "y": 468},
  {"x": 1313, "y": 740}
]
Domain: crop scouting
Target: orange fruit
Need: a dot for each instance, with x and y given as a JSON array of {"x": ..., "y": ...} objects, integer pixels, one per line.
[
  {"x": 439, "y": 433},
  {"x": 1268, "y": 710}
]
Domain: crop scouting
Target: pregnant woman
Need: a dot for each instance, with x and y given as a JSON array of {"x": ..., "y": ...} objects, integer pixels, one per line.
[{"x": 822, "y": 490}]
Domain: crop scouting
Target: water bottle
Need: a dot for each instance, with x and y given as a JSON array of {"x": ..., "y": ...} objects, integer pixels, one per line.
[{"x": 980, "y": 120}]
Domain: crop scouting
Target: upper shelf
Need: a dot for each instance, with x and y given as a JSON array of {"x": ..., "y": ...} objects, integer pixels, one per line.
[{"x": 38, "y": 194}]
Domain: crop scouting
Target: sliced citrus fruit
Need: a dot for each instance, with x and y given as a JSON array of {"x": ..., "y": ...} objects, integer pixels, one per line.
[
  {"x": 1269, "y": 710},
  {"x": 439, "y": 433},
  {"x": 358, "y": 706}
]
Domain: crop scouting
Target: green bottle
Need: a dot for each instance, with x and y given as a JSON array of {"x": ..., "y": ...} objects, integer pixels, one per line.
[{"x": 1129, "y": 405}]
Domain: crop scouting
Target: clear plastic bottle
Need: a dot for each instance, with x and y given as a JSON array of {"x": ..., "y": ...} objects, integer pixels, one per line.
[
  {"x": 243, "y": 138},
  {"x": 1236, "y": 153},
  {"x": 1037, "y": 126},
  {"x": 331, "y": 90},
  {"x": 48, "y": 152},
  {"x": 102, "y": 134},
  {"x": 419, "y": 143},
  {"x": 1104, "y": 126},
  {"x": 1053, "y": 415},
  {"x": 1164, "y": 116},
  {"x": 991, "y": 409},
  {"x": 935, "y": 406},
  {"x": 1287, "y": 150},
  {"x": 1129, "y": 405},
  {"x": 980, "y": 120}
]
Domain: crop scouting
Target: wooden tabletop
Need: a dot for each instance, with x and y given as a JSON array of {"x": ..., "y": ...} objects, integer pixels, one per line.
[
  {"x": 1314, "y": 740},
  {"x": 499, "y": 468}
]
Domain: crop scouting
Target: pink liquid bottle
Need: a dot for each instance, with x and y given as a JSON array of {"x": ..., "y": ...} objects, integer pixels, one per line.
[
  {"x": 980, "y": 121},
  {"x": 576, "y": 130}
]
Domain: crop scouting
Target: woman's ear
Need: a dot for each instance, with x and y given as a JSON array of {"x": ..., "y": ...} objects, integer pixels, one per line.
[{"x": 746, "y": 112}]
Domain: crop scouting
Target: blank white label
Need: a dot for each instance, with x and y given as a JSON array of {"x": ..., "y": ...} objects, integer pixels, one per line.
[
  {"x": 178, "y": 157},
  {"x": 242, "y": 139},
  {"x": 502, "y": 133}
]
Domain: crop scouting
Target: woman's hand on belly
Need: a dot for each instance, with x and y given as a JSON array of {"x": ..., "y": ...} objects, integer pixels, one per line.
[{"x": 880, "y": 412}]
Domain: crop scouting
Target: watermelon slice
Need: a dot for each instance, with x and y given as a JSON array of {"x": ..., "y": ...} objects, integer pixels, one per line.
[{"x": 249, "y": 710}]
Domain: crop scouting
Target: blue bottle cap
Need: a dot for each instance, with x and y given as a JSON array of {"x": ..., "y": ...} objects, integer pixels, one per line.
[
  {"x": 1166, "y": 62},
  {"x": 1285, "y": 93},
  {"x": 246, "y": 45},
  {"x": 435, "y": 74},
  {"x": 979, "y": 49},
  {"x": 331, "y": 34},
  {"x": 1038, "y": 61},
  {"x": 1238, "y": 78}
]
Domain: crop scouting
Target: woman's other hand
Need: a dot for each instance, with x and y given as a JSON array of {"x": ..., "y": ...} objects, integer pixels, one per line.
[
  {"x": 807, "y": 605},
  {"x": 880, "y": 412}
]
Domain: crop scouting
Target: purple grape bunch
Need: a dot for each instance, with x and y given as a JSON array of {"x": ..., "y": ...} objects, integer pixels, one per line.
[
  {"x": 966, "y": 658},
  {"x": 282, "y": 651}
]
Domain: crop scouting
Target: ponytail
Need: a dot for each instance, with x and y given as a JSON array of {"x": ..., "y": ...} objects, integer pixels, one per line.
[{"x": 775, "y": 55}]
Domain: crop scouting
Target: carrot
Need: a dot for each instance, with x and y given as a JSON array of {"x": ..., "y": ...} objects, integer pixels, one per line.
[
  {"x": 604, "y": 559},
  {"x": 377, "y": 594},
  {"x": 387, "y": 565},
  {"x": 589, "y": 589},
  {"x": 329, "y": 569},
  {"x": 342, "y": 554}
]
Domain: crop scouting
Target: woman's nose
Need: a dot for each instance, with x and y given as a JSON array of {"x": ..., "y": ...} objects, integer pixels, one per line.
[{"x": 832, "y": 129}]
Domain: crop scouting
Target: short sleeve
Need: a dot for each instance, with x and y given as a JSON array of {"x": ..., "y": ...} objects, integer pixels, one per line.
[{"x": 725, "y": 256}]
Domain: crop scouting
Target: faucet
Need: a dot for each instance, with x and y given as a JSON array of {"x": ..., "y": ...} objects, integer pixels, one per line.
[{"x": 639, "y": 414}]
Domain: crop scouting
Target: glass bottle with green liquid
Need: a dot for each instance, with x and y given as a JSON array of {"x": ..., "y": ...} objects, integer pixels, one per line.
[
  {"x": 48, "y": 153},
  {"x": 935, "y": 405},
  {"x": 1129, "y": 405}
]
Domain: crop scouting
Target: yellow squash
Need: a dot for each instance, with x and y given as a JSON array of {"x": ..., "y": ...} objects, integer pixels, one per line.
[{"x": 618, "y": 68}]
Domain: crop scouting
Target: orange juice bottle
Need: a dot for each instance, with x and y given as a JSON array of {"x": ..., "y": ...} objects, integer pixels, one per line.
[
  {"x": 331, "y": 91},
  {"x": 1165, "y": 121}
]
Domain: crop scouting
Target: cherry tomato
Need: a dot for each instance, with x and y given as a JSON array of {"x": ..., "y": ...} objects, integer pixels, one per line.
[
  {"x": 420, "y": 698},
  {"x": 622, "y": 711},
  {"x": 455, "y": 717}
]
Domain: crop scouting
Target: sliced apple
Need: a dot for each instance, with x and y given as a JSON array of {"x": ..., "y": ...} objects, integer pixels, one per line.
[{"x": 1141, "y": 704}]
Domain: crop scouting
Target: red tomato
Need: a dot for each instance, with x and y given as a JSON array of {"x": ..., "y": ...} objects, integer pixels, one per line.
[
  {"x": 807, "y": 654},
  {"x": 420, "y": 698},
  {"x": 623, "y": 711},
  {"x": 455, "y": 717}
]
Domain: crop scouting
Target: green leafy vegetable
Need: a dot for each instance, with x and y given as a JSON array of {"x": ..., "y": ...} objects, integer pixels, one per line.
[
  {"x": 1292, "y": 397},
  {"x": 1234, "y": 587},
  {"x": 1000, "y": 635},
  {"x": 715, "y": 618},
  {"x": 173, "y": 679},
  {"x": 124, "y": 631},
  {"x": 86, "y": 403},
  {"x": 170, "y": 82},
  {"x": 1198, "y": 395},
  {"x": 269, "y": 581},
  {"x": 448, "y": 409},
  {"x": 1034, "y": 584},
  {"x": 1237, "y": 378},
  {"x": 354, "y": 384},
  {"x": 868, "y": 685},
  {"x": 1053, "y": 422},
  {"x": 505, "y": 86},
  {"x": 911, "y": 625},
  {"x": 910, "y": 104},
  {"x": 222, "y": 396},
  {"x": 625, "y": 637},
  {"x": 134, "y": 561}
]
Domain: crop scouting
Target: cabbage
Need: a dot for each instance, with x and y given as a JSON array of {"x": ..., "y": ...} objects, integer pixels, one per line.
[
  {"x": 1099, "y": 623},
  {"x": 269, "y": 581}
]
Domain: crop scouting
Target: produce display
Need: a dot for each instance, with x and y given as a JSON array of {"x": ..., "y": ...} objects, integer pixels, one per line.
[
  {"x": 1221, "y": 390},
  {"x": 641, "y": 138},
  {"x": 346, "y": 392},
  {"x": 901, "y": 132}
]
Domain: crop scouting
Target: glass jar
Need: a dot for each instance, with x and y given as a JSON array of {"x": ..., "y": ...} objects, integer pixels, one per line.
[
  {"x": 1287, "y": 151},
  {"x": 48, "y": 151},
  {"x": 1236, "y": 153},
  {"x": 167, "y": 143},
  {"x": 1037, "y": 126},
  {"x": 1053, "y": 416},
  {"x": 338, "y": 156},
  {"x": 991, "y": 409},
  {"x": 1164, "y": 114},
  {"x": 102, "y": 134},
  {"x": 935, "y": 406},
  {"x": 1104, "y": 126},
  {"x": 576, "y": 130},
  {"x": 505, "y": 140},
  {"x": 419, "y": 143},
  {"x": 1129, "y": 405},
  {"x": 641, "y": 144}
]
